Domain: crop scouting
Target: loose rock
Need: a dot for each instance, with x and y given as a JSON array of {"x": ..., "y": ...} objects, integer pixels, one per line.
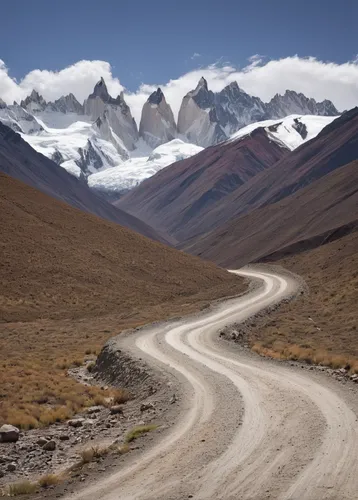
[
  {"x": 9, "y": 434},
  {"x": 11, "y": 467},
  {"x": 94, "y": 409},
  {"x": 77, "y": 422},
  {"x": 49, "y": 446},
  {"x": 41, "y": 441},
  {"x": 115, "y": 410},
  {"x": 147, "y": 406}
]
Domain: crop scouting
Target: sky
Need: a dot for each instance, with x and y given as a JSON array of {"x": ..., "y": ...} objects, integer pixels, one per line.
[{"x": 62, "y": 46}]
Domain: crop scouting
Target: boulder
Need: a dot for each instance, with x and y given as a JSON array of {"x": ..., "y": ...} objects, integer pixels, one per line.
[
  {"x": 115, "y": 410},
  {"x": 94, "y": 409},
  {"x": 9, "y": 434},
  {"x": 76, "y": 422},
  {"x": 49, "y": 446},
  {"x": 42, "y": 441},
  {"x": 11, "y": 467}
]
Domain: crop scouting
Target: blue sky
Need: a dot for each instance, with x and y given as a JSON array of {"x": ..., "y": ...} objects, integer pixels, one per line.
[
  {"x": 267, "y": 46},
  {"x": 155, "y": 41}
]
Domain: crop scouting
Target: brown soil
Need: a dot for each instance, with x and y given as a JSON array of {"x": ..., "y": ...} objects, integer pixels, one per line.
[
  {"x": 321, "y": 326},
  {"x": 21, "y": 161},
  {"x": 70, "y": 281}
]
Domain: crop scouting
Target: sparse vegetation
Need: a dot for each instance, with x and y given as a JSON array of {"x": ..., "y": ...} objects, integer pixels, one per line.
[
  {"x": 320, "y": 327},
  {"x": 123, "y": 449},
  {"x": 93, "y": 453},
  {"x": 60, "y": 301},
  {"x": 90, "y": 366},
  {"x": 49, "y": 480},
  {"x": 120, "y": 396},
  {"x": 22, "y": 488},
  {"x": 136, "y": 432}
]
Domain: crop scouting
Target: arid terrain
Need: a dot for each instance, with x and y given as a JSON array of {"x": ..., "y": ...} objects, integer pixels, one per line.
[
  {"x": 320, "y": 327},
  {"x": 69, "y": 282}
]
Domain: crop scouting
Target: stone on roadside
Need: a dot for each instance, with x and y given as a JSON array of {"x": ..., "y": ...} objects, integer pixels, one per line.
[
  {"x": 42, "y": 441},
  {"x": 76, "y": 422},
  {"x": 49, "y": 446},
  {"x": 94, "y": 409},
  {"x": 64, "y": 437},
  {"x": 116, "y": 410},
  {"x": 9, "y": 434},
  {"x": 146, "y": 407}
]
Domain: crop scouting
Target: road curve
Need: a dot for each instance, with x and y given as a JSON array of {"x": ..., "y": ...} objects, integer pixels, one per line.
[{"x": 246, "y": 428}]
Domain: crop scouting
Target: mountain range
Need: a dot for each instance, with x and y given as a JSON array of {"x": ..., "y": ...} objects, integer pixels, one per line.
[
  {"x": 101, "y": 133},
  {"x": 250, "y": 197}
]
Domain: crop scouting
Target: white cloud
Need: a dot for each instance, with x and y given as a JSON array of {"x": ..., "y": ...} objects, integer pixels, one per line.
[
  {"x": 79, "y": 79},
  {"x": 317, "y": 79},
  {"x": 195, "y": 55}
]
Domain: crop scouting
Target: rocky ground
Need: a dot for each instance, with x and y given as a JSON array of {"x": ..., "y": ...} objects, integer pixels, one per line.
[{"x": 59, "y": 448}]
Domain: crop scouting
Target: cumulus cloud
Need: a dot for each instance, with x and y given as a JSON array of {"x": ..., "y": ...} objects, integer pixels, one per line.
[
  {"x": 195, "y": 55},
  {"x": 261, "y": 77},
  {"x": 79, "y": 79},
  {"x": 314, "y": 78}
]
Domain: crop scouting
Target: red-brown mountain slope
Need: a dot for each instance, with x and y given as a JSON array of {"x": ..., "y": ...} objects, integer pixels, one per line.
[
  {"x": 179, "y": 196},
  {"x": 325, "y": 210}
]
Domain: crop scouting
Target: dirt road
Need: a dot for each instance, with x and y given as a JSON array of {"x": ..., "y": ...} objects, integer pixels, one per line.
[{"x": 246, "y": 428}]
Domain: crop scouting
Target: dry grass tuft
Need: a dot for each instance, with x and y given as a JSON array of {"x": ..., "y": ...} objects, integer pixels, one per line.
[
  {"x": 322, "y": 326},
  {"x": 120, "y": 396},
  {"x": 93, "y": 453},
  {"x": 136, "y": 432},
  {"x": 49, "y": 480},
  {"x": 22, "y": 488}
]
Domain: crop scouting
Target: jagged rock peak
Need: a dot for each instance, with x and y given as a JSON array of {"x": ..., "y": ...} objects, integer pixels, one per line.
[
  {"x": 156, "y": 97},
  {"x": 100, "y": 90},
  {"x": 157, "y": 124},
  {"x": 202, "y": 83},
  {"x": 2, "y": 104},
  {"x": 67, "y": 104},
  {"x": 34, "y": 97}
]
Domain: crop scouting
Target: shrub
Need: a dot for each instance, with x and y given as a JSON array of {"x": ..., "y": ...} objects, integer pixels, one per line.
[
  {"x": 49, "y": 480},
  {"x": 136, "y": 432},
  {"x": 22, "y": 488}
]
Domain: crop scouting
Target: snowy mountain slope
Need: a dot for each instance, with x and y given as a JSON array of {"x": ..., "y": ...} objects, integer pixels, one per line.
[
  {"x": 78, "y": 144},
  {"x": 291, "y": 131},
  {"x": 18, "y": 119},
  {"x": 207, "y": 118},
  {"x": 87, "y": 139},
  {"x": 132, "y": 172}
]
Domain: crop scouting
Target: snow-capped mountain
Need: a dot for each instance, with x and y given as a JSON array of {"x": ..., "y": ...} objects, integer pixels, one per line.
[
  {"x": 132, "y": 172},
  {"x": 157, "y": 124},
  {"x": 291, "y": 131},
  {"x": 102, "y": 134},
  {"x": 293, "y": 103},
  {"x": 17, "y": 118},
  {"x": 207, "y": 118},
  {"x": 115, "y": 113}
]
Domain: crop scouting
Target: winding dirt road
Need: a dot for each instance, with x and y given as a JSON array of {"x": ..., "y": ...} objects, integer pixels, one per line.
[{"x": 246, "y": 428}]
